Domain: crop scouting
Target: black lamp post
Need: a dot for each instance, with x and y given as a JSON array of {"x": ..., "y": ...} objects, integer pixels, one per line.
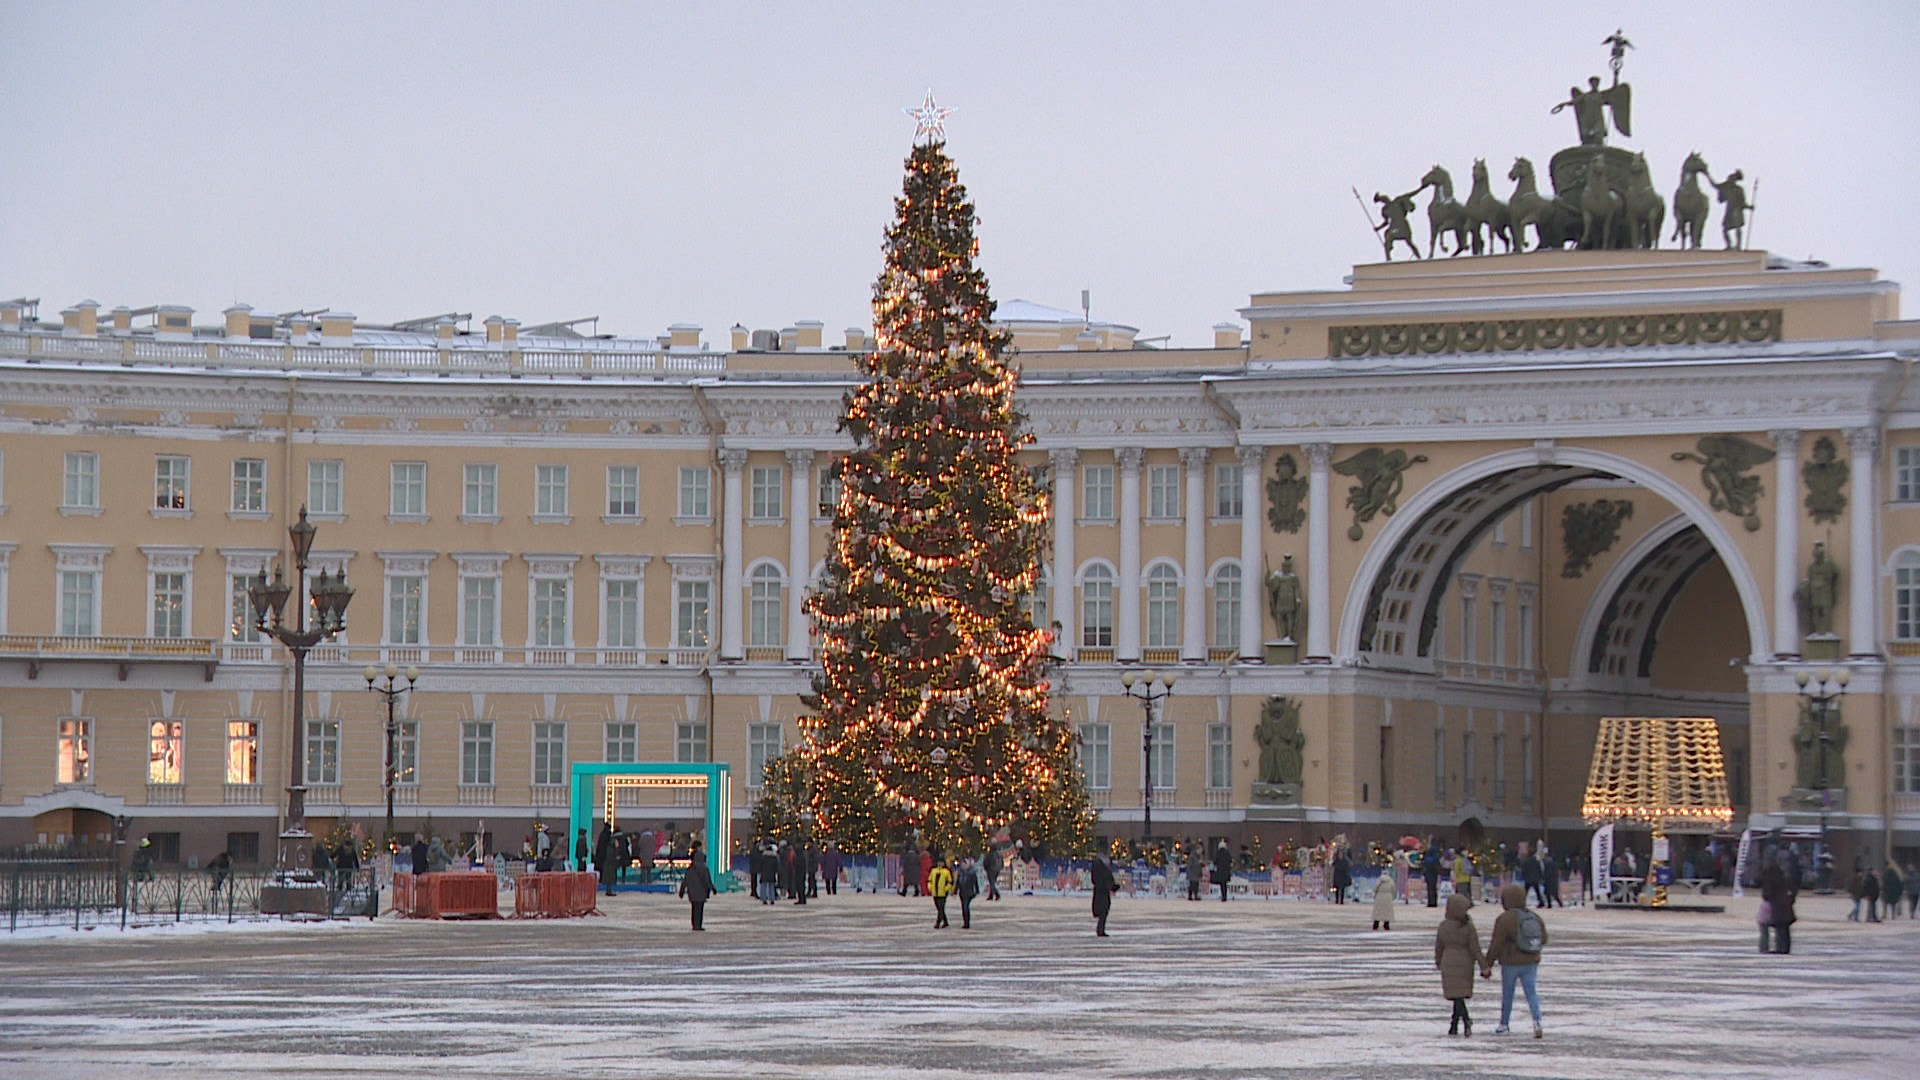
[
  {"x": 1141, "y": 687},
  {"x": 1823, "y": 702},
  {"x": 391, "y": 693},
  {"x": 330, "y": 596}
]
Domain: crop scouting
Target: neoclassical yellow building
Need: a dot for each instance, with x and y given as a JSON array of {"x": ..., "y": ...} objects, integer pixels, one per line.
[{"x": 1519, "y": 492}]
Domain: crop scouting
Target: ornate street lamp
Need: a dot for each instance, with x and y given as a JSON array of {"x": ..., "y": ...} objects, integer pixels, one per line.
[
  {"x": 1141, "y": 687},
  {"x": 391, "y": 694},
  {"x": 330, "y": 595},
  {"x": 1822, "y": 702}
]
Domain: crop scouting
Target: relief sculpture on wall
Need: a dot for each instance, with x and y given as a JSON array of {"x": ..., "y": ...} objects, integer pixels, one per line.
[
  {"x": 1825, "y": 475},
  {"x": 1724, "y": 461},
  {"x": 1590, "y": 529},
  {"x": 1380, "y": 479}
]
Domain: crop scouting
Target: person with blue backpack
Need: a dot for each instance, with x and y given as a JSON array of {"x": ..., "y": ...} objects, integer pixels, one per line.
[{"x": 1519, "y": 936}]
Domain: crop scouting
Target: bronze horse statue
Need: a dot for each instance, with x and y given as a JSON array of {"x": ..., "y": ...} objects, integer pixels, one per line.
[
  {"x": 1598, "y": 204},
  {"x": 1646, "y": 210},
  {"x": 1444, "y": 213},
  {"x": 1690, "y": 204},
  {"x": 1529, "y": 207},
  {"x": 1485, "y": 211}
]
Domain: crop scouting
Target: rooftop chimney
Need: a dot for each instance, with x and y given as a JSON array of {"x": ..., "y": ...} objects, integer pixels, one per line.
[
  {"x": 496, "y": 328},
  {"x": 122, "y": 319},
  {"x": 809, "y": 331},
  {"x": 789, "y": 338},
  {"x": 684, "y": 335},
  {"x": 443, "y": 330},
  {"x": 856, "y": 339},
  {"x": 336, "y": 327},
  {"x": 739, "y": 335},
  {"x": 1226, "y": 335},
  {"x": 81, "y": 320},
  {"x": 510, "y": 332},
  {"x": 239, "y": 320},
  {"x": 173, "y": 321}
]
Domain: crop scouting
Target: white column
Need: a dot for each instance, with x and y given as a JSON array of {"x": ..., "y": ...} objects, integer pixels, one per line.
[
  {"x": 1786, "y": 544},
  {"x": 1065, "y": 461},
  {"x": 1252, "y": 575},
  {"x": 1127, "y": 621},
  {"x": 733, "y": 530},
  {"x": 1319, "y": 551},
  {"x": 799, "y": 559},
  {"x": 1863, "y": 622},
  {"x": 1193, "y": 602}
]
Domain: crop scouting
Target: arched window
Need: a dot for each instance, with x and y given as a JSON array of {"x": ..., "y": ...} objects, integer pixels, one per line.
[
  {"x": 1037, "y": 603},
  {"x": 1096, "y": 608},
  {"x": 1163, "y": 607},
  {"x": 1906, "y": 595},
  {"x": 1226, "y": 607},
  {"x": 765, "y": 607}
]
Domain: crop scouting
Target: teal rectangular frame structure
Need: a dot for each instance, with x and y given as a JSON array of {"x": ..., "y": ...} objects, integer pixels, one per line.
[{"x": 713, "y": 775}]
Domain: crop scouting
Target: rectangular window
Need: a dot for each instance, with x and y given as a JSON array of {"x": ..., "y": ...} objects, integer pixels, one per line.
[
  {"x": 1439, "y": 764},
  {"x": 1499, "y": 768},
  {"x": 408, "y": 497},
  {"x": 764, "y": 742},
  {"x": 623, "y": 491},
  {"x": 406, "y": 752},
  {"x": 170, "y": 479},
  {"x": 1096, "y": 497},
  {"x": 621, "y": 623},
  {"x": 1226, "y": 608},
  {"x": 1386, "y": 766},
  {"x": 164, "y": 751},
  {"x": 169, "y": 605},
  {"x": 1526, "y": 525},
  {"x": 1096, "y": 755},
  {"x": 623, "y": 742},
  {"x": 406, "y": 618},
  {"x": 244, "y": 848},
  {"x": 550, "y": 490},
  {"x": 325, "y": 488},
  {"x": 690, "y": 741},
  {"x": 82, "y": 481},
  {"x": 1526, "y": 764},
  {"x": 829, "y": 494},
  {"x": 1163, "y": 491},
  {"x": 476, "y": 752},
  {"x": 767, "y": 483},
  {"x": 1163, "y": 611},
  {"x": 690, "y": 614},
  {"x": 764, "y": 607},
  {"x": 243, "y": 623},
  {"x": 243, "y": 752},
  {"x": 480, "y": 491},
  {"x": 165, "y": 847},
  {"x": 1469, "y": 780},
  {"x": 1525, "y": 630},
  {"x": 550, "y": 614},
  {"x": 1227, "y": 491},
  {"x": 79, "y": 589},
  {"x": 1096, "y": 611},
  {"x": 1497, "y": 609},
  {"x": 480, "y": 611},
  {"x": 549, "y": 752},
  {"x": 1906, "y": 473},
  {"x": 1906, "y": 599},
  {"x": 696, "y": 491},
  {"x": 76, "y": 750},
  {"x": 249, "y": 486},
  {"x": 1219, "y": 757},
  {"x": 323, "y": 751},
  {"x": 1469, "y": 629},
  {"x": 1906, "y": 761},
  {"x": 1163, "y": 761}
]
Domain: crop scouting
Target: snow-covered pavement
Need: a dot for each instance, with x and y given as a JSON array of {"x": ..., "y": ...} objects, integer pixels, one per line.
[{"x": 859, "y": 986}]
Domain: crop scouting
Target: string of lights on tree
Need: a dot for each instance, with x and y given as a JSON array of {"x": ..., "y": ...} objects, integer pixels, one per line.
[{"x": 930, "y": 712}]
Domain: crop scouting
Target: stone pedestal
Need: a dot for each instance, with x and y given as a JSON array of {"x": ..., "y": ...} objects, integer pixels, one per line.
[
  {"x": 1284, "y": 651},
  {"x": 293, "y": 897},
  {"x": 1822, "y": 647}
]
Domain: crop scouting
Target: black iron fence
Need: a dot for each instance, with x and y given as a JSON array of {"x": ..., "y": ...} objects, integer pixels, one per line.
[{"x": 82, "y": 891}]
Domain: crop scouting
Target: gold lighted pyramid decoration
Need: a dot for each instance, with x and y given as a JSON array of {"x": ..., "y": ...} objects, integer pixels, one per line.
[{"x": 1664, "y": 771}]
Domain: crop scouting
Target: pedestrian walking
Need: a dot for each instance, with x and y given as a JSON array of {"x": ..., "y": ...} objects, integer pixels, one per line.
[
  {"x": 1533, "y": 876},
  {"x": 1550, "y": 875},
  {"x": 1103, "y": 890},
  {"x": 1456, "y": 952},
  {"x": 926, "y": 868},
  {"x": 581, "y": 852},
  {"x": 939, "y": 886},
  {"x": 830, "y": 869},
  {"x": 811, "y": 857},
  {"x": 1196, "y": 872},
  {"x": 966, "y": 886},
  {"x": 220, "y": 868},
  {"x": 910, "y": 870},
  {"x": 1383, "y": 897},
  {"x": 1857, "y": 888},
  {"x": 994, "y": 863},
  {"x": 1342, "y": 875},
  {"x": 1430, "y": 870},
  {"x": 419, "y": 855},
  {"x": 1463, "y": 872},
  {"x": 1891, "y": 887},
  {"x": 1871, "y": 889},
  {"x": 1519, "y": 936},
  {"x": 603, "y": 855},
  {"x": 1222, "y": 869},
  {"x": 697, "y": 885}
]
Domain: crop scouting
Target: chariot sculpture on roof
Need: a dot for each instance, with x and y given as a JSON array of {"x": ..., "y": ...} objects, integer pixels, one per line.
[{"x": 1603, "y": 196}]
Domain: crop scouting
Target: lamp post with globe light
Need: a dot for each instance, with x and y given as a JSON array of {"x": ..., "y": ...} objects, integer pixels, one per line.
[
  {"x": 381, "y": 681},
  {"x": 1142, "y": 688},
  {"x": 1822, "y": 702}
]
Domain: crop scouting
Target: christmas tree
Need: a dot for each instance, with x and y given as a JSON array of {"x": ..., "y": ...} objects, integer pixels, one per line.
[{"x": 930, "y": 712}]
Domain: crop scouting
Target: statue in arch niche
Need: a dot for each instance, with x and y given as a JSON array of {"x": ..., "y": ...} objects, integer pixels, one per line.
[
  {"x": 1810, "y": 772},
  {"x": 1817, "y": 595},
  {"x": 1282, "y": 748},
  {"x": 1284, "y": 600}
]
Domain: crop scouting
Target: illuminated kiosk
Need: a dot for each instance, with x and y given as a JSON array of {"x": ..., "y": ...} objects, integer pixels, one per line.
[
  {"x": 1665, "y": 773},
  {"x": 712, "y": 775}
]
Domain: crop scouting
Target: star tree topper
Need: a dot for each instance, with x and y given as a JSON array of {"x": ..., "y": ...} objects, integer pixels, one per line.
[{"x": 930, "y": 120}]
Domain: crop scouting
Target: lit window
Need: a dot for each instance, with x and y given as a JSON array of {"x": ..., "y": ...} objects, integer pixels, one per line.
[
  {"x": 164, "y": 739},
  {"x": 249, "y": 486},
  {"x": 243, "y": 752},
  {"x": 76, "y": 750},
  {"x": 171, "y": 475}
]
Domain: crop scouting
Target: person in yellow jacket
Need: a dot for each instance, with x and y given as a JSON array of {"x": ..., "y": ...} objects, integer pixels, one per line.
[
  {"x": 1463, "y": 874},
  {"x": 939, "y": 886}
]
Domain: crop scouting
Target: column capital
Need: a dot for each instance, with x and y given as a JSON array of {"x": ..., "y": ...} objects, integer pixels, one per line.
[
  {"x": 1129, "y": 458},
  {"x": 1063, "y": 457},
  {"x": 733, "y": 460},
  {"x": 1251, "y": 456},
  {"x": 800, "y": 459},
  {"x": 1785, "y": 440},
  {"x": 1863, "y": 440},
  {"x": 1319, "y": 454},
  {"x": 1195, "y": 457}
]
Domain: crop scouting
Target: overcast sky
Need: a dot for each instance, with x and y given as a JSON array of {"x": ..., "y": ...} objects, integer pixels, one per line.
[{"x": 716, "y": 163}]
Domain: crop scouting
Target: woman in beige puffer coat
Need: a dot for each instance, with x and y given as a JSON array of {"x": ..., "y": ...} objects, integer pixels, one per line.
[
  {"x": 1456, "y": 952},
  {"x": 1383, "y": 897}
]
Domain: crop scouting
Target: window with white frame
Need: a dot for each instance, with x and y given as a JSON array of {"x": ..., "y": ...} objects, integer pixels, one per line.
[
  {"x": 172, "y": 475},
  {"x": 1163, "y": 492},
  {"x": 1386, "y": 765},
  {"x": 1525, "y": 630},
  {"x": 1096, "y": 607},
  {"x": 326, "y": 488},
  {"x": 1227, "y": 490},
  {"x": 549, "y": 752},
  {"x": 82, "y": 488},
  {"x": 829, "y": 499},
  {"x": 696, "y": 492},
  {"x": 476, "y": 753},
  {"x": 1226, "y": 608},
  {"x": 550, "y": 491},
  {"x": 480, "y": 490},
  {"x": 1219, "y": 757},
  {"x": 764, "y": 743},
  {"x": 323, "y": 751},
  {"x": 620, "y": 618},
  {"x": 1163, "y": 607},
  {"x": 1906, "y": 596},
  {"x": 1096, "y": 493},
  {"x": 764, "y": 606},
  {"x": 689, "y": 741},
  {"x": 408, "y": 492},
  {"x": 1906, "y": 760},
  {"x": 1038, "y": 604},
  {"x": 165, "y": 745},
  {"x": 75, "y": 751},
  {"x": 1468, "y": 775},
  {"x": 1906, "y": 473},
  {"x": 79, "y": 603},
  {"x": 1499, "y": 767},
  {"x": 406, "y": 752},
  {"x": 243, "y": 619},
  {"x": 1526, "y": 762},
  {"x": 243, "y": 751},
  {"x": 1163, "y": 761},
  {"x": 550, "y": 609},
  {"x": 764, "y": 491},
  {"x": 623, "y": 741},
  {"x": 479, "y": 611},
  {"x": 1469, "y": 626},
  {"x": 1526, "y": 525},
  {"x": 691, "y": 603},
  {"x": 623, "y": 491},
  {"x": 406, "y": 609},
  {"x": 249, "y": 486},
  {"x": 1096, "y": 755},
  {"x": 1439, "y": 763},
  {"x": 169, "y": 605},
  {"x": 1497, "y": 614}
]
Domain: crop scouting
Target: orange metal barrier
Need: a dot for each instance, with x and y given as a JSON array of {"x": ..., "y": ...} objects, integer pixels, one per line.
[
  {"x": 411, "y": 896},
  {"x": 556, "y": 895},
  {"x": 462, "y": 895}
]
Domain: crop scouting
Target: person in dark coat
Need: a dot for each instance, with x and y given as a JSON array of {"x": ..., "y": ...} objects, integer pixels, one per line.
[
  {"x": 1871, "y": 889},
  {"x": 1550, "y": 879},
  {"x": 1456, "y": 953},
  {"x": 419, "y": 854},
  {"x": 1430, "y": 870},
  {"x": 581, "y": 852},
  {"x": 1533, "y": 878},
  {"x": 966, "y": 885},
  {"x": 1196, "y": 872},
  {"x": 909, "y": 870},
  {"x": 1779, "y": 894},
  {"x": 812, "y": 884},
  {"x": 1103, "y": 890},
  {"x": 993, "y": 865},
  {"x": 697, "y": 885},
  {"x": 220, "y": 868},
  {"x": 322, "y": 862},
  {"x": 1222, "y": 869},
  {"x": 603, "y": 856},
  {"x": 1342, "y": 876},
  {"x": 830, "y": 869}
]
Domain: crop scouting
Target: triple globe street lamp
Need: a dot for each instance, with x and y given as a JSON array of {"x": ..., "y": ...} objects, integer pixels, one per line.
[
  {"x": 390, "y": 692},
  {"x": 1821, "y": 703},
  {"x": 1149, "y": 688}
]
